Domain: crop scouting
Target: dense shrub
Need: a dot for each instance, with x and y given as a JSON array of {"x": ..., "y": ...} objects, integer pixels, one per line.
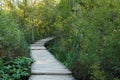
[
  {"x": 88, "y": 41},
  {"x": 16, "y": 69},
  {"x": 12, "y": 41}
]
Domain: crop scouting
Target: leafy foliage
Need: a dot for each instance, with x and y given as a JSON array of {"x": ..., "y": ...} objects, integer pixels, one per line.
[
  {"x": 89, "y": 44},
  {"x": 11, "y": 38},
  {"x": 19, "y": 68},
  {"x": 87, "y": 33}
]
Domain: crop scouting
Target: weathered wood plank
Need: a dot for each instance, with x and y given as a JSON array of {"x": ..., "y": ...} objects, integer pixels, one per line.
[
  {"x": 43, "y": 42},
  {"x": 51, "y": 77},
  {"x": 50, "y": 72},
  {"x": 37, "y": 44},
  {"x": 46, "y": 63},
  {"x": 37, "y": 48},
  {"x": 39, "y": 55},
  {"x": 46, "y": 39}
]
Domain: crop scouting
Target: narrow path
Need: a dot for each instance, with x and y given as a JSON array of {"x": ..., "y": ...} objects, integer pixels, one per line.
[{"x": 46, "y": 66}]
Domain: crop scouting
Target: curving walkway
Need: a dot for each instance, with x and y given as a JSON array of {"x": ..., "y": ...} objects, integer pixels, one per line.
[{"x": 46, "y": 66}]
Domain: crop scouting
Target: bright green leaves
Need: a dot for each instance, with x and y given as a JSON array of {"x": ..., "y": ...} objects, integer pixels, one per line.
[{"x": 16, "y": 69}]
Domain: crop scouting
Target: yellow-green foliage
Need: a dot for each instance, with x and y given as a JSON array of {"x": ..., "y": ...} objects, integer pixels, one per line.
[
  {"x": 96, "y": 73},
  {"x": 12, "y": 41}
]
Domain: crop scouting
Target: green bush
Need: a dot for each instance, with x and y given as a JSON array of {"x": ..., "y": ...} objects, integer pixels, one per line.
[
  {"x": 97, "y": 73},
  {"x": 89, "y": 39},
  {"x": 12, "y": 41},
  {"x": 17, "y": 69}
]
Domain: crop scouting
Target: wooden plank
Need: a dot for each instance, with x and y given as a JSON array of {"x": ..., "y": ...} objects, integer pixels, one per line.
[
  {"x": 37, "y": 48},
  {"x": 49, "y": 68},
  {"x": 46, "y": 39},
  {"x": 43, "y": 42},
  {"x": 51, "y": 77},
  {"x": 40, "y": 52},
  {"x": 46, "y": 64},
  {"x": 39, "y": 55},
  {"x": 37, "y": 44},
  {"x": 45, "y": 61},
  {"x": 50, "y": 72}
]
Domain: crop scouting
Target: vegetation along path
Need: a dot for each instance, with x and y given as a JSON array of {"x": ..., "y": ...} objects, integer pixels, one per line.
[{"x": 46, "y": 67}]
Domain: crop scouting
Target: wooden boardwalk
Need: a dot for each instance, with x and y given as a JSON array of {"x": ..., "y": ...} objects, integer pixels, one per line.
[{"x": 46, "y": 66}]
